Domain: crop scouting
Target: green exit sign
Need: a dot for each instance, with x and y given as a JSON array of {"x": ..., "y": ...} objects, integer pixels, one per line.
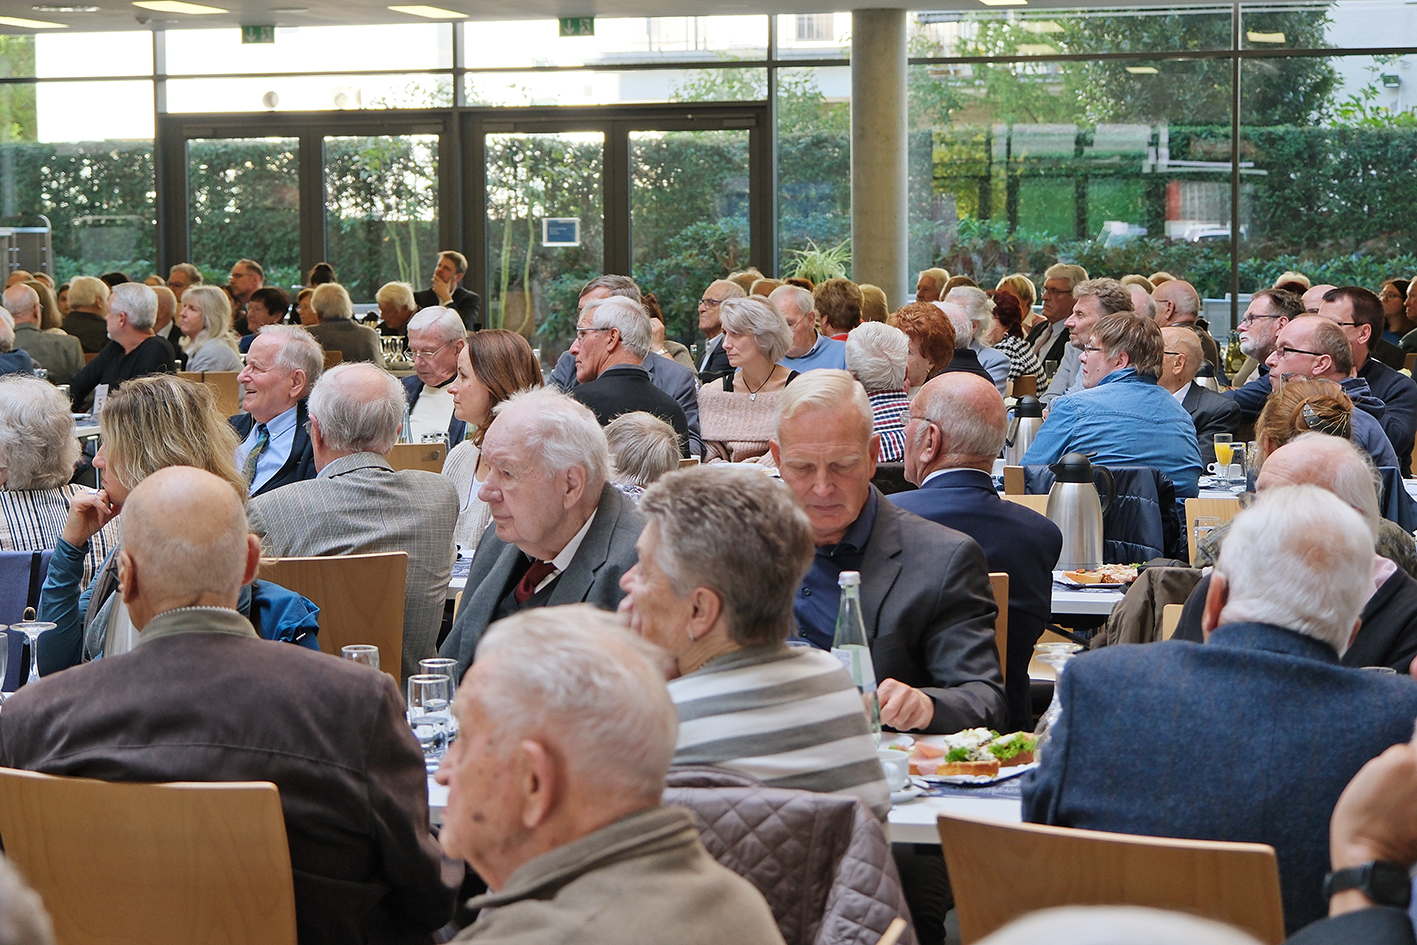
[
  {"x": 258, "y": 34},
  {"x": 577, "y": 26}
]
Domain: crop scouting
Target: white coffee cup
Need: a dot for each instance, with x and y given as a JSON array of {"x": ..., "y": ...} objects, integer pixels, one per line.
[{"x": 896, "y": 765}]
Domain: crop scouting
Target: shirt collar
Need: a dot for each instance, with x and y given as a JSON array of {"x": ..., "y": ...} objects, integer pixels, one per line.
[
  {"x": 1180, "y": 395},
  {"x": 563, "y": 560},
  {"x": 950, "y": 469},
  {"x": 196, "y": 620},
  {"x": 1125, "y": 374},
  {"x": 282, "y": 423}
]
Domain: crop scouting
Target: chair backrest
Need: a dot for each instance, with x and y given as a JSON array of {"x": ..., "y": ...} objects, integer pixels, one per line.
[
  {"x": 360, "y": 599},
  {"x": 89, "y": 356},
  {"x": 1223, "y": 509},
  {"x": 1024, "y": 384},
  {"x": 1015, "y": 482},
  {"x": 1170, "y": 619},
  {"x": 332, "y": 358},
  {"x": 999, "y": 583},
  {"x": 162, "y": 864},
  {"x": 1000, "y": 871},
  {"x": 1039, "y": 503},
  {"x": 427, "y": 456},
  {"x": 1410, "y": 360},
  {"x": 890, "y": 479},
  {"x": 224, "y": 387}
]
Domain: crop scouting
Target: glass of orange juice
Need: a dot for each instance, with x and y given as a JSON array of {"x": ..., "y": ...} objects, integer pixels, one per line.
[{"x": 1224, "y": 449}]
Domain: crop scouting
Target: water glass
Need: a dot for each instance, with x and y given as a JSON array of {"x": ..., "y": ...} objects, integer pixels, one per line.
[
  {"x": 32, "y": 629},
  {"x": 361, "y": 653},
  {"x": 429, "y": 702},
  {"x": 1205, "y": 524}
]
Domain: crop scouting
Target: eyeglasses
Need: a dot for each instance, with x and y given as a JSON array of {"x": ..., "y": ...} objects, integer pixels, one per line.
[
  {"x": 1285, "y": 351},
  {"x": 1048, "y": 291},
  {"x": 711, "y": 302},
  {"x": 582, "y": 332},
  {"x": 1254, "y": 318},
  {"x": 429, "y": 355},
  {"x": 1346, "y": 324},
  {"x": 1174, "y": 354},
  {"x": 1088, "y": 349}
]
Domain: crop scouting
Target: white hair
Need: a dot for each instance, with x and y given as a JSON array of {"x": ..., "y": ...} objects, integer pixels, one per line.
[
  {"x": 1299, "y": 558},
  {"x": 331, "y": 302},
  {"x": 626, "y": 316},
  {"x": 7, "y": 330},
  {"x": 20, "y": 298},
  {"x": 758, "y": 317},
  {"x": 876, "y": 353},
  {"x": 960, "y": 320},
  {"x": 351, "y": 421},
  {"x": 574, "y": 676},
  {"x": 976, "y": 304},
  {"x": 826, "y": 389},
  {"x": 137, "y": 301},
  {"x": 561, "y": 433},
  {"x": 86, "y": 290},
  {"x": 396, "y": 293},
  {"x": 1336, "y": 464},
  {"x": 37, "y": 445},
  {"x": 801, "y": 299},
  {"x": 297, "y": 350},
  {"x": 642, "y": 447},
  {"x": 1115, "y": 925},
  {"x": 443, "y": 322}
]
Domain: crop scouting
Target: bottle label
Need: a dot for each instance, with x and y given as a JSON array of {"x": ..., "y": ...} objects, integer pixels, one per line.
[{"x": 856, "y": 660}]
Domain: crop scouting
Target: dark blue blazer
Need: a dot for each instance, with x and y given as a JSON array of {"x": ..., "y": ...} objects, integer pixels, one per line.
[
  {"x": 301, "y": 463},
  {"x": 456, "y": 428},
  {"x": 1016, "y": 540},
  {"x": 1250, "y": 737}
]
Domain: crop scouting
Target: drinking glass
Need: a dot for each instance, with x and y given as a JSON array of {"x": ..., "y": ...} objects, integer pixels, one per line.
[
  {"x": 32, "y": 629},
  {"x": 443, "y": 666},
  {"x": 429, "y": 697},
  {"x": 1224, "y": 447},
  {"x": 1056, "y": 655},
  {"x": 361, "y": 653},
  {"x": 1205, "y": 524}
]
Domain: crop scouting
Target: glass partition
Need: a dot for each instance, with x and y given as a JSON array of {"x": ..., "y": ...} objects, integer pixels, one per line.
[{"x": 244, "y": 201}]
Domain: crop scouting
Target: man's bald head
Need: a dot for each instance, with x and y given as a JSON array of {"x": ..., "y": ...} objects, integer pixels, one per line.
[
  {"x": 1329, "y": 462},
  {"x": 1180, "y": 370},
  {"x": 1177, "y": 303},
  {"x": 1314, "y": 296},
  {"x": 22, "y": 303},
  {"x": 185, "y": 543},
  {"x": 965, "y": 426},
  {"x": 357, "y": 408}
]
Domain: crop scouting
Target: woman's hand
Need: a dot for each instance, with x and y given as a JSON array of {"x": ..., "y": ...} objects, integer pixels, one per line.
[{"x": 88, "y": 513}]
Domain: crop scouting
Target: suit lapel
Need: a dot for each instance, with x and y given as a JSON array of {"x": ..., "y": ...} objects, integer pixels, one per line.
[
  {"x": 1191, "y": 402},
  {"x": 880, "y": 565},
  {"x": 575, "y": 582}
]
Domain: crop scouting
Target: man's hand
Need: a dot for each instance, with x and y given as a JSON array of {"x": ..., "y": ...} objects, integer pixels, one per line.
[
  {"x": 903, "y": 708},
  {"x": 443, "y": 289},
  {"x": 1375, "y": 819},
  {"x": 88, "y": 513}
]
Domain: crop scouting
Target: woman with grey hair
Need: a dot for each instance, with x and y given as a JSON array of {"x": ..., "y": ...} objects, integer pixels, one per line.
[
  {"x": 876, "y": 353},
  {"x": 737, "y": 415},
  {"x": 642, "y": 448},
  {"x": 205, "y": 320},
  {"x": 37, "y": 456}
]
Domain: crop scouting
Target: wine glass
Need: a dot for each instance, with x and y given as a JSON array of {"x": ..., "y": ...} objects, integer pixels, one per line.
[
  {"x": 1055, "y": 654},
  {"x": 32, "y": 629},
  {"x": 429, "y": 695}
]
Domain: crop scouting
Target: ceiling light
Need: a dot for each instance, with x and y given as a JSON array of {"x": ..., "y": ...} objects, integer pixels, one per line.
[
  {"x": 1143, "y": 70},
  {"x": 177, "y": 6},
  {"x": 1004, "y": 3},
  {"x": 31, "y": 24},
  {"x": 1254, "y": 37},
  {"x": 1042, "y": 26},
  {"x": 46, "y": 8},
  {"x": 432, "y": 13}
]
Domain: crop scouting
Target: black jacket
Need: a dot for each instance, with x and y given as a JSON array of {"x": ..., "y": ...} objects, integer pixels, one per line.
[
  {"x": 1211, "y": 414},
  {"x": 466, "y": 303},
  {"x": 113, "y": 366},
  {"x": 301, "y": 464},
  {"x": 717, "y": 364},
  {"x": 625, "y": 388}
]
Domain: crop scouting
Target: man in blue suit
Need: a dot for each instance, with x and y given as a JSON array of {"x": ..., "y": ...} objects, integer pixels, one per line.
[
  {"x": 282, "y": 366},
  {"x": 1252, "y": 735},
  {"x": 956, "y": 427}
]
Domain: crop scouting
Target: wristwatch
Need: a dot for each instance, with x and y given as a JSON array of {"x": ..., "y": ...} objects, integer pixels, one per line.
[{"x": 1384, "y": 882}]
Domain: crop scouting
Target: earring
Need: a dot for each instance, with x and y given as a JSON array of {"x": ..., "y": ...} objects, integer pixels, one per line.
[{"x": 692, "y": 638}]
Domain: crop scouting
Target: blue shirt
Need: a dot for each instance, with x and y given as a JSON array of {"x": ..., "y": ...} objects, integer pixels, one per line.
[
  {"x": 819, "y": 596},
  {"x": 826, "y": 353},
  {"x": 1126, "y": 420},
  {"x": 282, "y": 432}
]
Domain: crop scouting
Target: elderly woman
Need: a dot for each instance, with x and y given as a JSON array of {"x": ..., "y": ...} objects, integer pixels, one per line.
[
  {"x": 932, "y": 340},
  {"x": 720, "y": 558},
  {"x": 37, "y": 456},
  {"x": 148, "y": 424},
  {"x": 1023, "y": 289},
  {"x": 642, "y": 448},
  {"x": 1006, "y": 335},
  {"x": 876, "y": 353},
  {"x": 980, "y": 310},
  {"x": 738, "y": 414},
  {"x": 492, "y": 366},
  {"x": 205, "y": 320},
  {"x": 338, "y": 331}
]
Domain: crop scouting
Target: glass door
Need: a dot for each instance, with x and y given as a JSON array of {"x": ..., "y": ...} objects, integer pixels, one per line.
[{"x": 243, "y": 201}]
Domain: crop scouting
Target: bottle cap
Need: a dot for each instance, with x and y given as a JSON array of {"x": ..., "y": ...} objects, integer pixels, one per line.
[{"x": 849, "y": 579}]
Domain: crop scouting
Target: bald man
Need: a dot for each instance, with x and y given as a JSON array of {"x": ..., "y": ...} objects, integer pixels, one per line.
[
  {"x": 1178, "y": 303},
  {"x": 956, "y": 428},
  {"x": 201, "y": 698},
  {"x": 1210, "y": 412}
]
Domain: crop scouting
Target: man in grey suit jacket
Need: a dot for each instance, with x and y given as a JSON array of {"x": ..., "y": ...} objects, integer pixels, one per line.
[
  {"x": 358, "y": 504},
  {"x": 562, "y": 534},
  {"x": 925, "y": 595},
  {"x": 60, "y": 355}
]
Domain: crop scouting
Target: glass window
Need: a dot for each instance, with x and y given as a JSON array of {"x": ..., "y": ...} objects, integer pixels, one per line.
[
  {"x": 1046, "y": 33},
  {"x": 596, "y": 87},
  {"x": 244, "y": 201},
  {"x": 1346, "y": 25},
  {"x": 814, "y": 36},
  {"x": 617, "y": 41},
  {"x": 308, "y": 93},
  {"x": 62, "y": 54},
  {"x": 814, "y": 161},
  {"x": 312, "y": 49}
]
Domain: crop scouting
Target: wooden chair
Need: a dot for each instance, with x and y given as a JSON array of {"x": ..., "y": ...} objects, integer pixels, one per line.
[
  {"x": 1409, "y": 361},
  {"x": 999, "y": 583},
  {"x": 1000, "y": 871},
  {"x": 1223, "y": 509},
  {"x": 1039, "y": 503},
  {"x": 1170, "y": 619},
  {"x": 360, "y": 598},
  {"x": 89, "y": 356},
  {"x": 162, "y": 864},
  {"x": 426, "y": 456},
  {"x": 224, "y": 387},
  {"x": 1025, "y": 384},
  {"x": 332, "y": 358},
  {"x": 1014, "y": 481}
]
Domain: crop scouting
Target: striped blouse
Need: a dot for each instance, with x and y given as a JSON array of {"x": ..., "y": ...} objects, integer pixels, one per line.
[
  {"x": 790, "y": 717},
  {"x": 1022, "y": 360},
  {"x": 34, "y": 519}
]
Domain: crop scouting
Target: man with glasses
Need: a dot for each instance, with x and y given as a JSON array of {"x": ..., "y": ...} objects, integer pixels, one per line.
[
  {"x": 714, "y": 363},
  {"x": 1178, "y": 303},
  {"x": 1047, "y": 338},
  {"x": 435, "y": 338},
  {"x": 1269, "y": 311},
  {"x": 1092, "y": 300}
]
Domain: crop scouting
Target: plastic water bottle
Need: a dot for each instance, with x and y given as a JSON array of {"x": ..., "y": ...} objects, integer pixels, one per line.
[{"x": 849, "y": 645}]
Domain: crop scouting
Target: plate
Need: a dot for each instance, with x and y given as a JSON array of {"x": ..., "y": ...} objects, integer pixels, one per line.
[
  {"x": 1061, "y": 577},
  {"x": 909, "y": 793},
  {"x": 1004, "y": 774}
]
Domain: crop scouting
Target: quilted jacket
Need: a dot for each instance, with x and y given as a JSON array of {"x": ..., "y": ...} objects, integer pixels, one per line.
[{"x": 822, "y": 861}]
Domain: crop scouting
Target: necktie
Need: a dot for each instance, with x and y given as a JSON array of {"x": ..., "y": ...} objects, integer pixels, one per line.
[
  {"x": 534, "y": 575},
  {"x": 263, "y": 439}
]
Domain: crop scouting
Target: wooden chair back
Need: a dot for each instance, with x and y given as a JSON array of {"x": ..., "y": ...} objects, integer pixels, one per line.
[
  {"x": 1014, "y": 480},
  {"x": 1410, "y": 360},
  {"x": 426, "y": 456},
  {"x": 162, "y": 864},
  {"x": 1223, "y": 509},
  {"x": 224, "y": 387},
  {"x": 1039, "y": 503},
  {"x": 360, "y": 598},
  {"x": 89, "y": 356},
  {"x": 999, "y": 583},
  {"x": 1000, "y": 871},
  {"x": 332, "y": 358},
  {"x": 1024, "y": 384},
  {"x": 1170, "y": 619}
]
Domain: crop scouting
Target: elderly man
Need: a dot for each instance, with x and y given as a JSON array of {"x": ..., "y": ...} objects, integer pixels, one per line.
[
  {"x": 958, "y": 424},
  {"x": 1282, "y": 606},
  {"x": 1311, "y": 346},
  {"x": 554, "y": 793},
  {"x": 132, "y": 351},
  {"x": 182, "y": 277},
  {"x": 246, "y": 277},
  {"x": 877, "y": 354},
  {"x": 445, "y": 290},
  {"x": 1142, "y": 302},
  {"x": 1268, "y": 312},
  {"x": 282, "y": 366},
  {"x": 338, "y": 331},
  {"x": 564, "y": 534},
  {"x": 1179, "y": 304},
  {"x": 12, "y": 361},
  {"x": 1047, "y": 338},
  {"x": 165, "y": 324},
  {"x": 1210, "y": 412},
  {"x": 1314, "y": 296},
  {"x": 358, "y": 504},
  {"x": 964, "y": 360},
  {"x": 925, "y": 592},
  {"x": 1094, "y": 299},
  {"x": 980, "y": 309},
  {"x": 714, "y": 362},
  {"x": 88, "y": 308},
  {"x": 612, "y": 342},
  {"x": 396, "y": 308},
  {"x": 1123, "y": 417},
  {"x": 1359, "y": 312},
  {"x": 810, "y": 348},
  {"x": 201, "y": 698},
  {"x": 931, "y": 284},
  {"x": 838, "y": 304},
  {"x": 436, "y": 337},
  {"x": 61, "y": 355}
]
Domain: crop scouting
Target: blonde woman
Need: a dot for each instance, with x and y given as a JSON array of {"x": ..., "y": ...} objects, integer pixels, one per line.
[{"x": 205, "y": 320}]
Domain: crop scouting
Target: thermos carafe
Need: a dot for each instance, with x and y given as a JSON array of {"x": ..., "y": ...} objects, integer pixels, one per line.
[
  {"x": 1028, "y": 417},
  {"x": 1075, "y": 507}
]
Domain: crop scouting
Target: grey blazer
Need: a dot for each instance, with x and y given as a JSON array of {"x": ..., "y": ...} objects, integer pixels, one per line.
[
  {"x": 59, "y": 354},
  {"x": 358, "y": 504},
  {"x": 606, "y": 552}
]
